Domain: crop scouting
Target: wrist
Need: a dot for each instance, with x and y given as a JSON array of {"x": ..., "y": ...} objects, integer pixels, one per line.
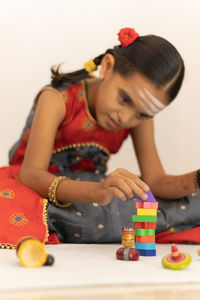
[{"x": 93, "y": 191}]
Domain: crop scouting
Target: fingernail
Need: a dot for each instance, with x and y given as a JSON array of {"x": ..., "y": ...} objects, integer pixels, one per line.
[
  {"x": 146, "y": 188},
  {"x": 145, "y": 196}
]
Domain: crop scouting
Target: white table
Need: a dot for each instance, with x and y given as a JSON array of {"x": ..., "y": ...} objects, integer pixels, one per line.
[{"x": 93, "y": 272}]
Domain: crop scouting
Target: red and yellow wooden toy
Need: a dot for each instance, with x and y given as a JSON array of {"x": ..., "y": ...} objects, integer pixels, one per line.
[
  {"x": 176, "y": 260},
  {"x": 128, "y": 239},
  {"x": 32, "y": 253},
  {"x": 128, "y": 236}
]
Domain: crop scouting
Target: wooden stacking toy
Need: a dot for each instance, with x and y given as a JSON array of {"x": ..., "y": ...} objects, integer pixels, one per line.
[{"x": 145, "y": 225}]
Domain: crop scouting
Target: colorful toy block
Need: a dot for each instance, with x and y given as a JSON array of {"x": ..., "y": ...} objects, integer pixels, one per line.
[
  {"x": 145, "y": 239},
  {"x": 147, "y": 252},
  {"x": 145, "y": 246},
  {"x": 147, "y": 204},
  {"x": 147, "y": 212},
  {"x": 146, "y": 232},
  {"x": 148, "y": 219},
  {"x": 145, "y": 225},
  {"x": 150, "y": 198}
]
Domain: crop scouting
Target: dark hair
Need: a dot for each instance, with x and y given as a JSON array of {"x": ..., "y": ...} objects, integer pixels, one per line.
[{"x": 150, "y": 55}]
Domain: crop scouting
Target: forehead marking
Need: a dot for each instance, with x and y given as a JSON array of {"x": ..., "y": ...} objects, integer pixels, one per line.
[
  {"x": 154, "y": 100},
  {"x": 150, "y": 103},
  {"x": 143, "y": 104}
]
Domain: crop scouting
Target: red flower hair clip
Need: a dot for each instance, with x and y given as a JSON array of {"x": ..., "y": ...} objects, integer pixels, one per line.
[{"x": 127, "y": 36}]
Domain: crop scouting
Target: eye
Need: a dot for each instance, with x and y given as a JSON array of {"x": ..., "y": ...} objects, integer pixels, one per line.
[
  {"x": 124, "y": 101},
  {"x": 143, "y": 116}
]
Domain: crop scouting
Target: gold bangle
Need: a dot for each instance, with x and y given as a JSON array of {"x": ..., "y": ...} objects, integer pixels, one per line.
[{"x": 52, "y": 192}]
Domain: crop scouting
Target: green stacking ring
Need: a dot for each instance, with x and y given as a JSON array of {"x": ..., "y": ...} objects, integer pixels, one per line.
[
  {"x": 145, "y": 232},
  {"x": 136, "y": 218}
]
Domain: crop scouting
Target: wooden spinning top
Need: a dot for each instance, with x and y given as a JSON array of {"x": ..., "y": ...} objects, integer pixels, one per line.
[{"x": 176, "y": 260}]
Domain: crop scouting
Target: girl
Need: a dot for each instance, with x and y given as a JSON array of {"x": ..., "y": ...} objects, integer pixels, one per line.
[{"x": 74, "y": 125}]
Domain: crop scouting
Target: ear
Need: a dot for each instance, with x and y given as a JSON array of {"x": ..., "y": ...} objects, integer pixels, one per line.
[{"x": 107, "y": 65}]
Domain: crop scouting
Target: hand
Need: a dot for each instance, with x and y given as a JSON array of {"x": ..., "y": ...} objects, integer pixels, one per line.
[{"x": 120, "y": 183}]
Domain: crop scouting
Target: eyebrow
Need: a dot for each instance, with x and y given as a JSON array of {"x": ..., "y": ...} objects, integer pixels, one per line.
[
  {"x": 127, "y": 96},
  {"x": 131, "y": 100}
]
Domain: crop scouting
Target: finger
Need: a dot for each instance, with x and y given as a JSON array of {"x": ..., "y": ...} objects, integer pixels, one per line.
[
  {"x": 137, "y": 190},
  {"x": 116, "y": 192},
  {"x": 137, "y": 187},
  {"x": 133, "y": 177},
  {"x": 121, "y": 183},
  {"x": 142, "y": 184}
]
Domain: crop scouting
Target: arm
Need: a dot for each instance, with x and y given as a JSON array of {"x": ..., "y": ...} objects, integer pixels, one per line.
[
  {"x": 49, "y": 114},
  {"x": 161, "y": 184}
]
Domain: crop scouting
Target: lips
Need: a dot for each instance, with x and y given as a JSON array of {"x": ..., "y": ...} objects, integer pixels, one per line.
[{"x": 112, "y": 123}]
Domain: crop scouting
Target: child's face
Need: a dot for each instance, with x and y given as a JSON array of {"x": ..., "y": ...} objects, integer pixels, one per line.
[{"x": 126, "y": 102}]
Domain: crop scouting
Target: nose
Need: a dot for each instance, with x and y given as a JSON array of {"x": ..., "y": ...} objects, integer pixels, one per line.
[{"x": 125, "y": 117}]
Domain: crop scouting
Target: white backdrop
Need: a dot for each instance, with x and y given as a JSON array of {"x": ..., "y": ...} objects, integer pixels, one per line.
[{"x": 36, "y": 34}]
